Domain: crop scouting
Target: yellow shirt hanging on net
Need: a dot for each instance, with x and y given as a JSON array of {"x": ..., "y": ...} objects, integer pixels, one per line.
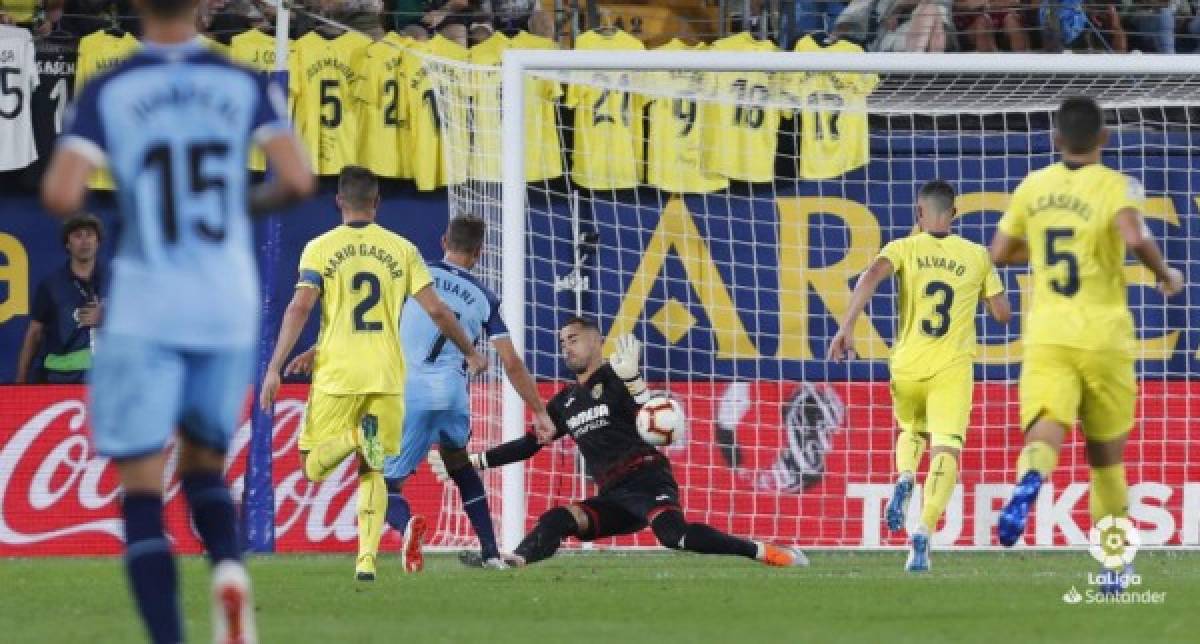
[
  {"x": 678, "y": 122},
  {"x": 99, "y": 52},
  {"x": 835, "y": 138},
  {"x": 608, "y": 123},
  {"x": 543, "y": 155},
  {"x": 323, "y": 82}
]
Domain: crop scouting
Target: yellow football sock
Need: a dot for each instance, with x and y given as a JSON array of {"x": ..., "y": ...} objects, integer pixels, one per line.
[
  {"x": 909, "y": 448},
  {"x": 372, "y": 506},
  {"x": 1110, "y": 493},
  {"x": 939, "y": 487},
  {"x": 329, "y": 454},
  {"x": 1038, "y": 456}
]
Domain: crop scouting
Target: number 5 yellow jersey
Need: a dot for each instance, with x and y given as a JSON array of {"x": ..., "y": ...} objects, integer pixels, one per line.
[
  {"x": 941, "y": 280},
  {"x": 365, "y": 273},
  {"x": 324, "y": 80},
  {"x": 1076, "y": 255}
]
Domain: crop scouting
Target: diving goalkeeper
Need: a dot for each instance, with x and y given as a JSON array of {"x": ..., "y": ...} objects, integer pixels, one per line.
[{"x": 637, "y": 488}]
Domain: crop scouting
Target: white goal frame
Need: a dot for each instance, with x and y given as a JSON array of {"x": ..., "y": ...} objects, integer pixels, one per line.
[{"x": 517, "y": 63}]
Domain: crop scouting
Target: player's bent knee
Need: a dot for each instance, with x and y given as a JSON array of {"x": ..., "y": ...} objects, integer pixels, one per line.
[
  {"x": 579, "y": 518},
  {"x": 669, "y": 528}
]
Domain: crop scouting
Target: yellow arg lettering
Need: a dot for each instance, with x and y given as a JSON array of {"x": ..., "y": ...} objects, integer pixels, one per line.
[
  {"x": 15, "y": 272},
  {"x": 677, "y": 233},
  {"x": 831, "y": 283}
]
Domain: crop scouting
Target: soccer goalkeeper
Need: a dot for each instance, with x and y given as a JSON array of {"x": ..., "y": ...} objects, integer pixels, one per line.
[
  {"x": 637, "y": 488},
  {"x": 941, "y": 278}
]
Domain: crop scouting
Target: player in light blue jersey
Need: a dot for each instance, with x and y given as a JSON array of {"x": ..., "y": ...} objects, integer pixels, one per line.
[
  {"x": 174, "y": 124},
  {"x": 437, "y": 396}
]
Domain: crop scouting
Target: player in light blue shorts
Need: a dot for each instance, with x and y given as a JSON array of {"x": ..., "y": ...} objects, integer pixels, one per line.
[
  {"x": 437, "y": 397},
  {"x": 174, "y": 123}
]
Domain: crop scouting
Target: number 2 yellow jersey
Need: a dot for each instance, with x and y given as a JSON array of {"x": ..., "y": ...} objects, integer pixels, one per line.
[
  {"x": 941, "y": 280},
  {"x": 384, "y": 132},
  {"x": 365, "y": 273},
  {"x": 608, "y": 123},
  {"x": 1076, "y": 255}
]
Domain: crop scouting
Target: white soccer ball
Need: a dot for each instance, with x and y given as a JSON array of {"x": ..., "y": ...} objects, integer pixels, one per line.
[{"x": 662, "y": 421}]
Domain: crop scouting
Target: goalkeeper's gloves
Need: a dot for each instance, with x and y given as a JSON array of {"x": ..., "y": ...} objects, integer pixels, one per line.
[
  {"x": 626, "y": 363},
  {"x": 438, "y": 466}
]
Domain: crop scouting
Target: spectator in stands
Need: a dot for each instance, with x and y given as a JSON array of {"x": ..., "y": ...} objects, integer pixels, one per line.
[
  {"x": 19, "y": 12},
  {"x": 67, "y": 308},
  {"x": 982, "y": 20},
  {"x": 1153, "y": 23},
  {"x": 512, "y": 16},
  {"x": 817, "y": 16},
  {"x": 361, "y": 15},
  {"x": 1069, "y": 24},
  {"x": 896, "y": 25},
  {"x": 452, "y": 18}
]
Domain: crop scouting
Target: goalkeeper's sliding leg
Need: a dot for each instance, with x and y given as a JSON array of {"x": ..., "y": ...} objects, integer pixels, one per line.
[{"x": 648, "y": 498}]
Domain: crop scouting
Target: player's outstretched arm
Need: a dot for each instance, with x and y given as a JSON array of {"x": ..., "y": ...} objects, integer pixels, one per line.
[
  {"x": 842, "y": 346},
  {"x": 1008, "y": 250},
  {"x": 519, "y": 449},
  {"x": 999, "y": 308},
  {"x": 1140, "y": 242},
  {"x": 448, "y": 324},
  {"x": 303, "y": 301},
  {"x": 292, "y": 177},
  {"x": 522, "y": 381}
]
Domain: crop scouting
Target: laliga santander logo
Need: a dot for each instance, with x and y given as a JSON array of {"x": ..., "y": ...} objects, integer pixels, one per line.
[{"x": 1114, "y": 541}]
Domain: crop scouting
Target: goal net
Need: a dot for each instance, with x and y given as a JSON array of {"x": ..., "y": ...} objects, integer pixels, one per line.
[{"x": 720, "y": 207}]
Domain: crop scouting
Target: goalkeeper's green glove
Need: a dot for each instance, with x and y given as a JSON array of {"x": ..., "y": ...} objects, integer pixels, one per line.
[{"x": 626, "y": 363}]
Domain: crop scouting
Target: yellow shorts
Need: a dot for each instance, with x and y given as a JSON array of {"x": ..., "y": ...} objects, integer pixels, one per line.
[
  {"x": 939, "y": 405},
  {"x": 328, "y": 414},
  {"x": 1064, "y": 384}
]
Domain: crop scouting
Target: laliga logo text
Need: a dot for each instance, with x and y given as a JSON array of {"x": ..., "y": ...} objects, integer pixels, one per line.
[{"x": 1114, "y": 542}]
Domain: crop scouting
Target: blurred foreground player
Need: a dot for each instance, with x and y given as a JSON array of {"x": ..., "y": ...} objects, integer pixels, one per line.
[
  {"x": 637, "y": 488},
  {"x": 174, "y": 124},
  {"x": 361, "y": 274},
  {"x": 1072, "y": 223},
  {"x": 942, "y": 278}
]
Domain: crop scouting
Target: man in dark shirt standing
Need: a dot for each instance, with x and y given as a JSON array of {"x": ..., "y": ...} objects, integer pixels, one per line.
[
  {"x": 66, "y": 310},
  {"x": 637, "y": 488}
]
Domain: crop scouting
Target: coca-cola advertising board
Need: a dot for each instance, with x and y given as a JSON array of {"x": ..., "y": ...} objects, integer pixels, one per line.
[{"x": 810, "y": 464}]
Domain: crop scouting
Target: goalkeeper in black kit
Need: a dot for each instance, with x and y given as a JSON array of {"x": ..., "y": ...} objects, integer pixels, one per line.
[{"x": 637, "y": 488}]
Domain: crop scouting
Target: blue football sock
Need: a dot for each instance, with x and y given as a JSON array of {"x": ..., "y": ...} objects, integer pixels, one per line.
[
  {"x": 151, "y": 568},
  {"x": 475, "y": 504},
  {"x": 398, "y": 513},
  {"x": 213, "y": 514}
]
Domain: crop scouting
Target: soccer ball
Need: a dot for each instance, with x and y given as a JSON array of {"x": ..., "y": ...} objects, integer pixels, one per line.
[{"x": 661, "y": 421}]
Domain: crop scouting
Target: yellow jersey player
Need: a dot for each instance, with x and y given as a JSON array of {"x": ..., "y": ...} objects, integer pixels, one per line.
[
  {"x": 941, "y": 279},
  {"x": 1072, "y": 222},
  {"x": 362, "y": 274}
]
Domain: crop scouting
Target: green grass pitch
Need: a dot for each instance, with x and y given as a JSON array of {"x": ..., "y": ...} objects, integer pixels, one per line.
[{"x": 843, "y": 597}]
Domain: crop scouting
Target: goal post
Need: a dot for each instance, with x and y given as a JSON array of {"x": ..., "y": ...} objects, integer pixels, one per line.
[{"x": 785, "y": 446}]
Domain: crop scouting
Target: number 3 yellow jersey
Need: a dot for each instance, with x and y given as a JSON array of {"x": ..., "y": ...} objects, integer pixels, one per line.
[
  {"x": 941, "y": 280},
  {"x": 365, "y": 274},
  {"x": 1076, "y": 255}
]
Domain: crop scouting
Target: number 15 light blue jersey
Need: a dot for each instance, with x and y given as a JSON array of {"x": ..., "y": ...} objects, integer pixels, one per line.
[
  {"x": 174, "y": 124},
  {"x": 435, "y": 364}
]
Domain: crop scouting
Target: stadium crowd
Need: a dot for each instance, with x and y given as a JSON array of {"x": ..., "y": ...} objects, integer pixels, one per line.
[{"x": 1153, "y": 26}]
